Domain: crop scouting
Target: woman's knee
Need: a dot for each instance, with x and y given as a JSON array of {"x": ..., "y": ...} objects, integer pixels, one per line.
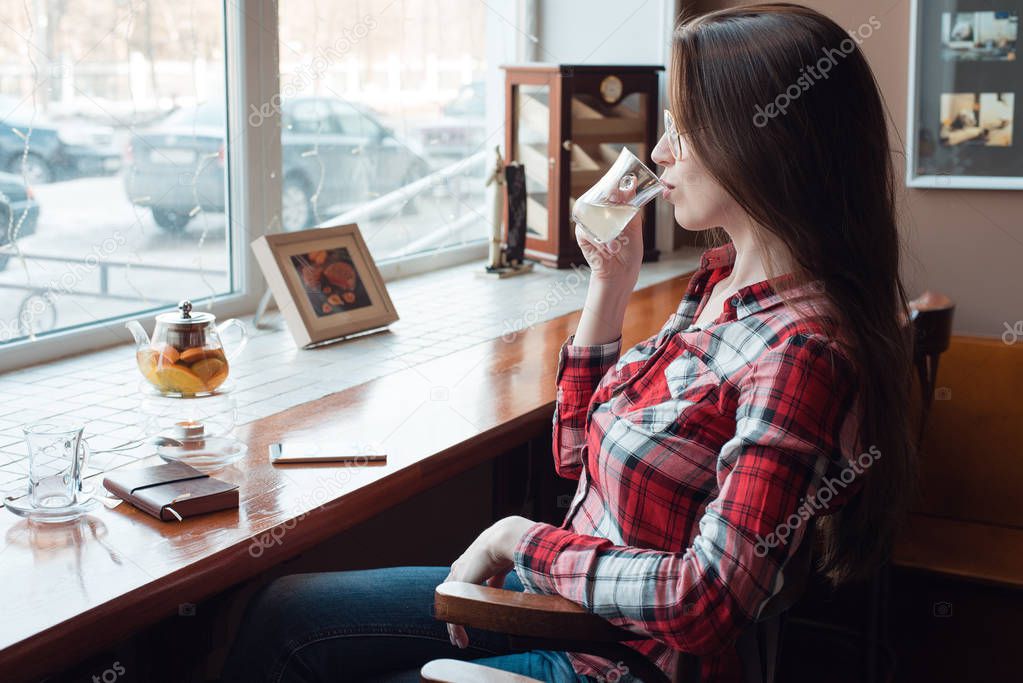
[
  {"x": 287, "y": 619},
  {"x": 293, "y": 606}
]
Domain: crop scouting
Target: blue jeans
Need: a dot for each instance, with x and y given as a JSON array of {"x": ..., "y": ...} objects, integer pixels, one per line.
[{"x": 366, "y": 625}]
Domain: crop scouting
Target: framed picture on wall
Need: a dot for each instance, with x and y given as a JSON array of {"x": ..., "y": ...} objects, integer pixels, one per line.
[
  {"x": 964, "y": 78},
  {"x": 325, "y": 282}
]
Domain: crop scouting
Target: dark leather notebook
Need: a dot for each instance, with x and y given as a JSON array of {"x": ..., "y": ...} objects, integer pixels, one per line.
[{"x": 172, "y": 491}]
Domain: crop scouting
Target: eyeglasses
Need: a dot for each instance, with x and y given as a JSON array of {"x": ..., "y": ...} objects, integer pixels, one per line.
[{"x": 674, "y": 139}]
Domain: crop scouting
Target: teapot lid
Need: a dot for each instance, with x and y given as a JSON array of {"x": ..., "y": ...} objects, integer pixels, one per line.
[{"x": 185, "y": 316}]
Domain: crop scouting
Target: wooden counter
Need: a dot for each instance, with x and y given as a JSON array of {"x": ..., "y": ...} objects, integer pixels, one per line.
[{"x": 68, "y": 590}]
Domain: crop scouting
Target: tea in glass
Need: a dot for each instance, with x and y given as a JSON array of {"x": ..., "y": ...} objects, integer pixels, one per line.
[{"x": 604, "y": 221}]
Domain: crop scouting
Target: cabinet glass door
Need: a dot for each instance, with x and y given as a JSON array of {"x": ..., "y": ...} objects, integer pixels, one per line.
[
  {"x": 532, "y": 137},
  {"x": 599, "y": 131}
]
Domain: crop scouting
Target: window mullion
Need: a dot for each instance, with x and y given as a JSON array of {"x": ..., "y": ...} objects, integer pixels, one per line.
[{"x": 255, "y": 150}]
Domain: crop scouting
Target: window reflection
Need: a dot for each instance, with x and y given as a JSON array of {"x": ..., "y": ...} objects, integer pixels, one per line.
[
  {"x": 382, "y": 115},
  {"x": 112, "y": 160}
]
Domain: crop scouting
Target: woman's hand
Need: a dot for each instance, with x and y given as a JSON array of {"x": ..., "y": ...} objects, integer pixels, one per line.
[
  {"x": 487, "y": 560},
  {"x": 614, "y": 273},
  {"x": 618, "y": 261}
]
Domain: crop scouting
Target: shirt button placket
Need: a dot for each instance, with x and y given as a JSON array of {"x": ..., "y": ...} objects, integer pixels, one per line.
[{"x": 580, "y": 493}]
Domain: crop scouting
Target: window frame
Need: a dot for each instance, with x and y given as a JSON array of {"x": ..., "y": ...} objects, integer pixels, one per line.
[
  {"x": 245, "y": 43},
  {"x": 252, "y": 77}
]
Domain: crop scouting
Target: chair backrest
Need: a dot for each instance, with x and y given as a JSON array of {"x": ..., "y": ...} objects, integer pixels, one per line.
[{"x": 931, "y": 317}]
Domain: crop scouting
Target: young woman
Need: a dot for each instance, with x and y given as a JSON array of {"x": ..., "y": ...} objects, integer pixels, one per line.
[{"x": 772, "y": 403}]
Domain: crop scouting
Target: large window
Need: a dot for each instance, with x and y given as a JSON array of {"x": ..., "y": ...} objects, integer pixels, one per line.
[
  {"x": 133, "y": 170},
  {"x": 112, "y": 160},
  {"x": 382, "y": 120}
]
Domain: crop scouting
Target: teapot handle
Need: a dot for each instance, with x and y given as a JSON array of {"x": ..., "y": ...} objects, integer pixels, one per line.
[{"x": 234, "y": 322}]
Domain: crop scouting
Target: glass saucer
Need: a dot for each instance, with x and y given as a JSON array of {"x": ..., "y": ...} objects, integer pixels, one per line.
[
  {"x": 22, "y": 506},
  {"x": 209, "y": 453}
]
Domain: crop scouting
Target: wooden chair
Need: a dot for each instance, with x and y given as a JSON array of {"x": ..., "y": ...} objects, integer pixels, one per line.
[
  {"x": 550, "y": 622},
  {"x": 931, "y": 317},
  {"x": 441, "y": 670}
]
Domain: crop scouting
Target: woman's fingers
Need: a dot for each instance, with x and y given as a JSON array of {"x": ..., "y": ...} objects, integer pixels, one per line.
[
  {"x": 457, "y": 635},
  {"x": 582, "y": 237},
  {"x": 476, "y": 565},
  {"x": 589, "y": 247}
]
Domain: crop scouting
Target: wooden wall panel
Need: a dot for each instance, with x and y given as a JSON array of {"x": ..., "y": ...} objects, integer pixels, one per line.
[{"x": 972, "y": 455}]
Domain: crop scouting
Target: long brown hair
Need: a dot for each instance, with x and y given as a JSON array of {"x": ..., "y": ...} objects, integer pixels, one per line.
[{"x": 802, "y": 146}]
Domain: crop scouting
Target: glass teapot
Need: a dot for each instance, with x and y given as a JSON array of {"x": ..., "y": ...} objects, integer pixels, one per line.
[{"x": 185, "y": 356}]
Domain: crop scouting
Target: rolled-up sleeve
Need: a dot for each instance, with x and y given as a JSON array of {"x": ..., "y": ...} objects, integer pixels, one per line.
[{"x": 580, "y": 369}]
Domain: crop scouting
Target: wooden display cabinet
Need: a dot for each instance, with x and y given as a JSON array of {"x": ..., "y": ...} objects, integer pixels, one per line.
[{"x": 567, "y": 123}]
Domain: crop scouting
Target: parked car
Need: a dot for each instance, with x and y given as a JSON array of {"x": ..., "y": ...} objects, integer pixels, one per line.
[
  {"x": 459, "y": 131},
  {"x": 57, "y": 150},
  {"x": 18, "y": 210},
  {"x": 178, "y": 164}
]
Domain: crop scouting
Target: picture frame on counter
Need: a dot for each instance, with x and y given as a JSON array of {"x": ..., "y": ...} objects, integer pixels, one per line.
[{"x": 325, "y": 282}]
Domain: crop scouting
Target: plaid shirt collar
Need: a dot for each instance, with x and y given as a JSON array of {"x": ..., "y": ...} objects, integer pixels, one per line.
[{"x": 716, "y": 263}]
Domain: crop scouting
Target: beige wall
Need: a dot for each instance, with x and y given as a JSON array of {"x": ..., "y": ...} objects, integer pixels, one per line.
[{"x": 965, "y": 243}]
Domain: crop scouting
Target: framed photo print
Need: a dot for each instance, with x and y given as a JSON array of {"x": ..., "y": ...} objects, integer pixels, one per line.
[
  {"x": 964, "y": 75},
  {"x": 325, "y": 283}
]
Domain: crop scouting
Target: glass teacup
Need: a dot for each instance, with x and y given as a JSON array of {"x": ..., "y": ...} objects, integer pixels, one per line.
[
  {"x": 57, "y": 453},
  {"x": 605, "y": 209}
]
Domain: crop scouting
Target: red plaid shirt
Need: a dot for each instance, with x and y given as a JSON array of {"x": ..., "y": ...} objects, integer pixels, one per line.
[{"x": 700, "y": 455}]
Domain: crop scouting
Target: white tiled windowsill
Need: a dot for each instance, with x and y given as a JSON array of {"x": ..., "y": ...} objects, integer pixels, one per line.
[{"x": 440, "y": 312}]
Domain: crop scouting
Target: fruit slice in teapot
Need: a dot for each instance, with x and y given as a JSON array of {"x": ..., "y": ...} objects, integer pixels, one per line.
[
  {"x": 212, "y": 371},
  {"x": 181, "y": 380},
  {"x": 148, "y": 361},
  {"x": 192, "y": 355},
  {"x": 154, "y": 357},
  {"x": 161, "y": 353}
]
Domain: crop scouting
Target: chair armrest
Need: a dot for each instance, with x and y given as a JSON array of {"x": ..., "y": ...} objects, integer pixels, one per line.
[
  {"x": 457, "y": 671},
  {"x": 522, "y": 614},
  {"x": 931, "y": 301},
  {"x": 533, "y": 621}
]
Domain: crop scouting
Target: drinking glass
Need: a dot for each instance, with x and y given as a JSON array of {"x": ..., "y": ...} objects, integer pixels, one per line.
[
  {"x": 605, "y": 209},
  {"x": 56, "y": 459}
]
